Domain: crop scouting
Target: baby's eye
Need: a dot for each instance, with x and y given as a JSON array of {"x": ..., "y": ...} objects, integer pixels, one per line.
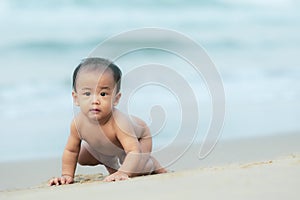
[
  {"x": 103, "y": 94},
  {"x": 87, "y": 94}
]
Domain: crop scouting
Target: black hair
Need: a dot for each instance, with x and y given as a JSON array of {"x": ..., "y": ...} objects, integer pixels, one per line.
[{"x": 97, "y": 63}]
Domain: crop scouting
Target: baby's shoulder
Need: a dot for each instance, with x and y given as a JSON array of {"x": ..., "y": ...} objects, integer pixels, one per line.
[
  {"x": 130, "y": 124},
  {"x": 77, "y": 122},
  {"x": 128, "y": 119},
  {"x": 138, "y": 121}
]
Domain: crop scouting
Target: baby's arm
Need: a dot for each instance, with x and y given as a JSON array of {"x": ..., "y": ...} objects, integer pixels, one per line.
[
  {"x": 134, "y": 158},
  {"x": 69, "y": 159}
]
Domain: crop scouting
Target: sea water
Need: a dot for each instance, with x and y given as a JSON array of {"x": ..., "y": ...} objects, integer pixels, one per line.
[{"x": 255, "y": 46}]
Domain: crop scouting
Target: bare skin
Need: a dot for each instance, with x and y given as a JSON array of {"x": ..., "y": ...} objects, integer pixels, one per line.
[{"x": 107, "y": 130}]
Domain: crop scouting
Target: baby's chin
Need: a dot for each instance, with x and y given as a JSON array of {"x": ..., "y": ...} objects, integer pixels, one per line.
[{"x": 99, "y": 118}]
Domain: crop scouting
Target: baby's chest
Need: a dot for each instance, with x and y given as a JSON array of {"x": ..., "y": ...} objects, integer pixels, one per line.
[{"x": 105, "y": 143}]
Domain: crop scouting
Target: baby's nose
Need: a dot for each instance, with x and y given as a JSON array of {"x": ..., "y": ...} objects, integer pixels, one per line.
[{"x": 96, "y": 99}]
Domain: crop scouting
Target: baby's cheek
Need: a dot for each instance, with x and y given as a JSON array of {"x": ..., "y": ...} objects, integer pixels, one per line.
[{"x": 107, "y": 103}]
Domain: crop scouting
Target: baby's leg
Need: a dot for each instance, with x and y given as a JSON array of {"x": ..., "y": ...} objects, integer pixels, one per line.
[{"x": 86, "y": 158}]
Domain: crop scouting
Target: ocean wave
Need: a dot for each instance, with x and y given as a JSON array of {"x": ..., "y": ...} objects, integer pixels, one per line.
[
  {"x": 32, "y": 99},
  {"x": 221, "y": 24}
]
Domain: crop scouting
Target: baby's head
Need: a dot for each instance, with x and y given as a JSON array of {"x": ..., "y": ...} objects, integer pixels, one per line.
[
  {"x": 96, "y": 64},
  {"x": 96, "y": 88}
]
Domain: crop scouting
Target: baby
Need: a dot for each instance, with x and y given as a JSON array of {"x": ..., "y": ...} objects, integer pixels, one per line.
[{"x": 100, "y": 133}]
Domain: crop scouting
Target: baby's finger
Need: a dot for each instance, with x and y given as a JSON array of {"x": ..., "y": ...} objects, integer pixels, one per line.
[
  {"x": 53, "y": 182},
  {"x": 50, "y": 183},
  {"x": 69, "y": 180},
  {"x": 121, "y": 178},
  {"x": 124, "y": 178},
  {"x": 117, "y": 178},
  {"x": 57, "y": 181},
  {"x": 62, "y": 180},
  {"x": 109, "y": 179}
]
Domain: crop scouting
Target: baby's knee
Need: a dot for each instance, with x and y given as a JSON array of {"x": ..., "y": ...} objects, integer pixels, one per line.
[
  {"x": 82, "y": 162},
  {"x": 91, "y": 162}
]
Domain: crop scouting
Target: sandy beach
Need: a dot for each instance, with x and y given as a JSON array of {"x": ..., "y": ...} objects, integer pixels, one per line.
[{"x": 256, "y": 168}]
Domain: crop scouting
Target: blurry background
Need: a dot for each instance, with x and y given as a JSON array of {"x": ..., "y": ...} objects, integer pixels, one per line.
[{"x": 254, "y": 44}]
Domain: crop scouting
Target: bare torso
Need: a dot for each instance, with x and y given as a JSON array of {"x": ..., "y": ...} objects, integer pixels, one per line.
[{"x": 103, "y": 138}]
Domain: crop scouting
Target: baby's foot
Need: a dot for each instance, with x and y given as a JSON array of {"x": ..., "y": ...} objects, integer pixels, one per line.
[{"x": 160, "y": 170}]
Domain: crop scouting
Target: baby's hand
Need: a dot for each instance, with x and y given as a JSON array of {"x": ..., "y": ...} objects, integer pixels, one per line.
[
  {"x": 65, "y": 179},
  {"x": 117, "y": 176}
]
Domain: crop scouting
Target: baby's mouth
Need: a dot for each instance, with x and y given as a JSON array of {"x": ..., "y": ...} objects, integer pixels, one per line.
[{"x": 95, "y": 110}]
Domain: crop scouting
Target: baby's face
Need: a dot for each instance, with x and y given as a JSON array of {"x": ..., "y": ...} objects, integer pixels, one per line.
[{"x": 96, "y": 94}]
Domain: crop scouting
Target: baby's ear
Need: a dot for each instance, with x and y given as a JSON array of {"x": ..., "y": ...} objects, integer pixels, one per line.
[
  {"x": 75, "y": 98},
  {"x": 117, "y": 99}
]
